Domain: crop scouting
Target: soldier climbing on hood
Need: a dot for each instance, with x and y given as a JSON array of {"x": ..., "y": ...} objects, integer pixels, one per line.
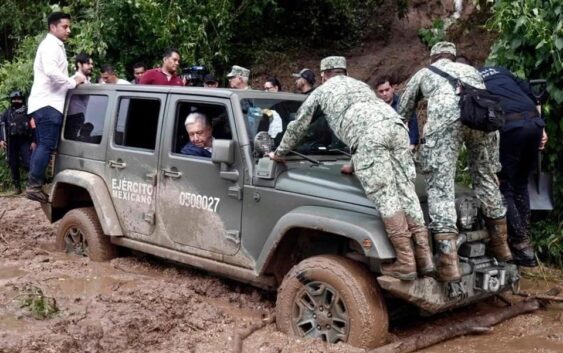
[{"x": 380, "y": 152}]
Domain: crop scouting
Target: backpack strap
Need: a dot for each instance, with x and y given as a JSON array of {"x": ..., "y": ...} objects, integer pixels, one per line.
[{"x": 453, "y": 81}]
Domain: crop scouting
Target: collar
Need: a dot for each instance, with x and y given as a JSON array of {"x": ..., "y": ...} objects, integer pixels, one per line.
[{"x": 57, "y": 40}]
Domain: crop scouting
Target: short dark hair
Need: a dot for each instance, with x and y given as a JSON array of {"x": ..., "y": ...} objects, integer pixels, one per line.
[
  {"x": 107, "y": 68},
  {"x": 382, "y": 79},
  {"x": 275, "y": 82},
  {"x": 139, "y": 65},
  {"x": 56, "y": 17},
  {"x": 81, "y": 58},
  {"x": 169, "y": 51}
]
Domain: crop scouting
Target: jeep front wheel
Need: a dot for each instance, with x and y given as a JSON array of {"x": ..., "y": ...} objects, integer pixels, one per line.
[
  {"x": 332, "y": 298},
  {"x": 80, "y": 233}
]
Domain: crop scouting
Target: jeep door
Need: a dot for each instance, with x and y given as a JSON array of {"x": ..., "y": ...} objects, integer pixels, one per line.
[
  {"x": 132, "y": 160},
  {"x": 198, "y": 208}
]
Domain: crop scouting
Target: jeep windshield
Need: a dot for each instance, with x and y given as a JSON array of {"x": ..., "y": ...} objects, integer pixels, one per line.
[{"x": 273, "y": 115}]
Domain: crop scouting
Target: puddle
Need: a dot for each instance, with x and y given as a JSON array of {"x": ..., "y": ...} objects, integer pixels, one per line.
[
  {"x": 7, "y": 272},
  {"x": 90, "y": 286}
]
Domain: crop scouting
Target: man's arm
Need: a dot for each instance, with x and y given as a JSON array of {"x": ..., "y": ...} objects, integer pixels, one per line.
[
  {"x": 297, "y": 129},
  {"x": 409, "y": 98}
]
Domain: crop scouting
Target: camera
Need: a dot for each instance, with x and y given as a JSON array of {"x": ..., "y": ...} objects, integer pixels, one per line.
[{"x": 194, "y": 74}]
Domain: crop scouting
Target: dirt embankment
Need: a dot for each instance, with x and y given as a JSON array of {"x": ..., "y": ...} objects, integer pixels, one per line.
[{"x": 143, "y": 304}]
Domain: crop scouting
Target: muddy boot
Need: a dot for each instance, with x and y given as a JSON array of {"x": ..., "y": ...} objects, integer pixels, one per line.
[
  {"x": 404, "y": 267},
  {"x": 422, "y": 252},
  {"x": 523, "y": 253},
  {"x": 447, "y": 264},
  {"x": 498, "y": 245}
]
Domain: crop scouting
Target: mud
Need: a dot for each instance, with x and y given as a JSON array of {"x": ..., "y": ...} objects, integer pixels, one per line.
[{"x": 137, "y": 303}]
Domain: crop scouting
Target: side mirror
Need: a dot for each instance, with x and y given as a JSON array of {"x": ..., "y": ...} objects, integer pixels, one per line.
[{"x": 223, "y": 151}]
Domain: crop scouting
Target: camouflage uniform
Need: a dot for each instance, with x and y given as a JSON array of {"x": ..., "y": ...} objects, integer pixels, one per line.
[
  {"x": 376, "y": 135},
  {"x": 444, "y": 134}
]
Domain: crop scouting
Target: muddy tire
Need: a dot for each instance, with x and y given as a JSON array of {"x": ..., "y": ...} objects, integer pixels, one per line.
[
  {"x": 332, "y": 298},
  {"x": 80, "y": 233}
]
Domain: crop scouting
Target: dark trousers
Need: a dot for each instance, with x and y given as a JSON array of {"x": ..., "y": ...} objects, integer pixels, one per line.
[
  {"x": 519, "y": 142},
  {"x": 19, "y": 155},
  {"x": 48, "y": 123}
]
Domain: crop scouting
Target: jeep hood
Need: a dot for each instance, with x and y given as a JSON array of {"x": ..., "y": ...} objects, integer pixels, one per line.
[{"x": 326, "y": 181}]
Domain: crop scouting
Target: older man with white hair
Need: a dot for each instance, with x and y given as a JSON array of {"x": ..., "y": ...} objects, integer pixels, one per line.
[{"x": 200, "y": 134}]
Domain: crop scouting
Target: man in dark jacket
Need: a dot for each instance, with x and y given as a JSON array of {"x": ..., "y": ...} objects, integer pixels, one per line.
[
  {"x": 520, "y": 139},
  {"x": 16, "y": 134},
  {"x": 200, "y": 134}
]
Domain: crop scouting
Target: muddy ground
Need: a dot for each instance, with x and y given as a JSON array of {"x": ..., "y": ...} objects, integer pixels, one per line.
[{"x": 143, "y": 304}]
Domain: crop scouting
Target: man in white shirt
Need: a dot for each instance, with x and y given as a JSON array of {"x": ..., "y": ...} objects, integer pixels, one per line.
[
  {"x": 46, "y": 101},
  {"x": 109, "y": 76}
]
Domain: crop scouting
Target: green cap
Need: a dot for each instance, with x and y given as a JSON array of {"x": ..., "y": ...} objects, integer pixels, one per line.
[
  {"x": 333, "y": 62},
  {"x": 238, "y": 71},
  {"x": 443, "y": 47}
]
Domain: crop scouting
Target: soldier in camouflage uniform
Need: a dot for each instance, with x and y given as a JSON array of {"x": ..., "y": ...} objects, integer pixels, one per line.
[
  {"x": 444, "y": 134},
  {"x": 238, "y": 77},
  {"x": 380, "y": 145}
]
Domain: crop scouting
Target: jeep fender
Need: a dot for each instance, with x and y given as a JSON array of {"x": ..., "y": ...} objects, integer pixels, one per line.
[
  {"x": 353, "y": 225},
  {"x": 96, "y": 187}
]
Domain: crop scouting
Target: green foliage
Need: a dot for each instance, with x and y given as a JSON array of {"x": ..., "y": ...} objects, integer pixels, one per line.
[
  {"x": 434, "y": 34},
  {"x": 40, "y": 306},
  {"x": 530, "y": 43},
  {"x": 5, "y": 177},
  {"x": 547, "y": 237}
]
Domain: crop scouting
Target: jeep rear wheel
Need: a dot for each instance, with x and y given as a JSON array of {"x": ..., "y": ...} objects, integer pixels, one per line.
[
  {"x": 332, "y": 298},
  {"x": 80, "y": 233}
]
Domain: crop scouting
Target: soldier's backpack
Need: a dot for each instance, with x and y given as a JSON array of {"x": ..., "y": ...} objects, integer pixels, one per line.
[
  {"x": 18, "y": 122},
  {"x": 479, "y": 108}
]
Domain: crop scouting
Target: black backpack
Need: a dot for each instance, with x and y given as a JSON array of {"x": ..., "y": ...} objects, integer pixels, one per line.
[
  {"x": 18, "y": 122},
  {"x": 479, "y": 108}
]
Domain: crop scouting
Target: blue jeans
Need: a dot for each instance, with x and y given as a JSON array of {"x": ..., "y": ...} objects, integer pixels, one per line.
[{"x": 48, "y": 123}]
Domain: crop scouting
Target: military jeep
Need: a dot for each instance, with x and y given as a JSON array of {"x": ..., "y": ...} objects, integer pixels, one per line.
[{"x": 301, "y": 228}]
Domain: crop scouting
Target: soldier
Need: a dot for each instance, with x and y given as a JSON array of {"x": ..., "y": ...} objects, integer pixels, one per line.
[
  {"x": 16, "y": 134},
  {"x": 380, "y": 152},
  {"x": 444, "y": 134},
  {"x": 238, "y": 77}
]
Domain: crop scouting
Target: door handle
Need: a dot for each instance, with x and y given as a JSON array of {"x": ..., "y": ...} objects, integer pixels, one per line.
[
  {"x": 117, "y": 164},
  {"x": 171, "y": 173}
]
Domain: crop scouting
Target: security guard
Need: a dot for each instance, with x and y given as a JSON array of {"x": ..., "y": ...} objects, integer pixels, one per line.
[
  {"x": 520, "y": 139},
  {"x": 380, "y": 152},
  {"x": 16, "y": 134}
]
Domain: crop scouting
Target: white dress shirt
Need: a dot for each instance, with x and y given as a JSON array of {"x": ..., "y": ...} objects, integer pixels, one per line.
[{"x": 51, "y": 81}]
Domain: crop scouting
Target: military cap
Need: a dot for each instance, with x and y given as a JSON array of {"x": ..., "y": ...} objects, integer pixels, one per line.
[
  {"x": 238, "y": 71},
  {"x": 307, "y": 74},
  {"x": 16, "y": 94},
  {"x": 443, "y": 47},
  {"x": 333, "y": 62}
]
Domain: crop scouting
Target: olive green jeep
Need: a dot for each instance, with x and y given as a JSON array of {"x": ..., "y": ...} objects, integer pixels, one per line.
[{"x": 301, "y": 228}]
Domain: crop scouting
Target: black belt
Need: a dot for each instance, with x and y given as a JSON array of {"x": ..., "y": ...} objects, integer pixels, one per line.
[{"x": 521, "y": 116}]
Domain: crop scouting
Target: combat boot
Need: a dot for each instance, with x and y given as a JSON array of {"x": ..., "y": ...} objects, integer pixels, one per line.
[
  {"x": 422, "y": 252},
  {"x": 447, "y": 265},
  {"x": 404, "y": 267},
  {"x": 523, "y": 253},
  {"x": 498, "y": 245}
]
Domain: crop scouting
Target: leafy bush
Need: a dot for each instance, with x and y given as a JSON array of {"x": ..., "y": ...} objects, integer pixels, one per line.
[{"x": 434, "y": 34}]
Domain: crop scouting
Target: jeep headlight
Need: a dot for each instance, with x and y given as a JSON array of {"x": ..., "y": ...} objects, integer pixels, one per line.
[{"x": 466, "y": 208}]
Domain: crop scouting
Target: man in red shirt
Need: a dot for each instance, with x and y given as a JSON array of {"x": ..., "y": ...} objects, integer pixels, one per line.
[{"x": 165, "y": 75}]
